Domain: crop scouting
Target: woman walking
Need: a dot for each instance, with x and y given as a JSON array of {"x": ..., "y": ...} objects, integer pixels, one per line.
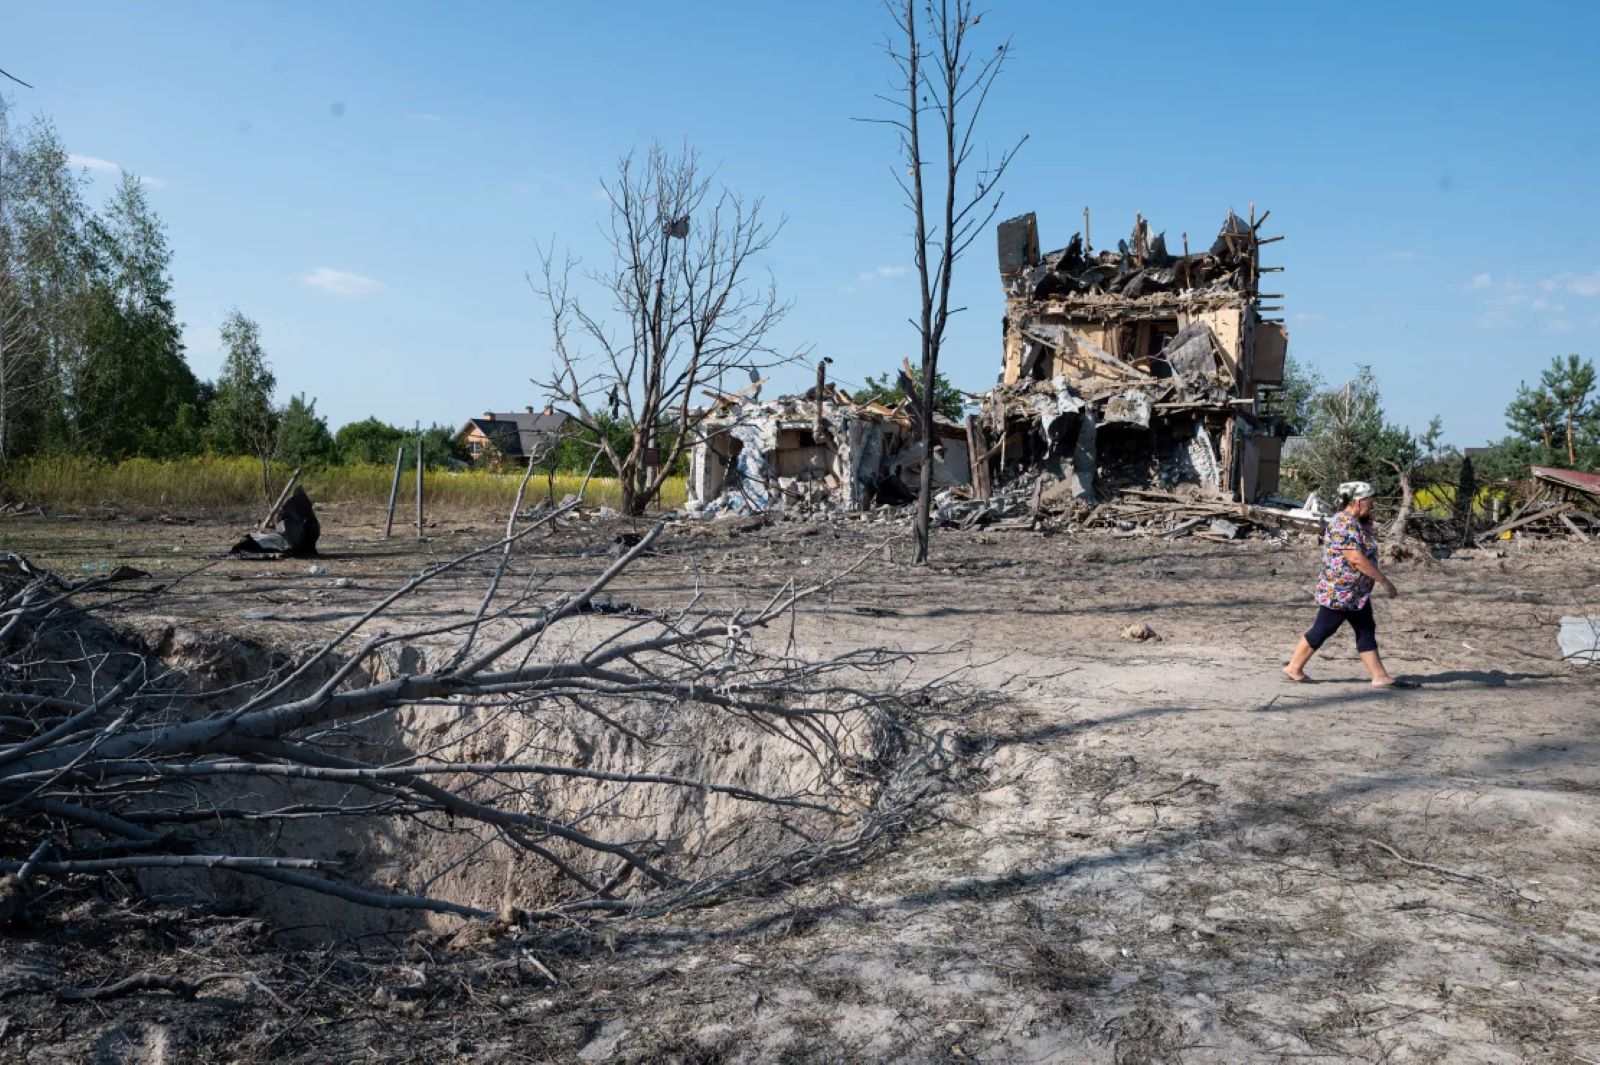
[{"x": 1344, "y": 591}]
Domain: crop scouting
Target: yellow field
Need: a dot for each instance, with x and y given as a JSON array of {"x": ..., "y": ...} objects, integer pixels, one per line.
[
  {"x": 1440, "y": 500},
  {"x": 201, "y": 484}
]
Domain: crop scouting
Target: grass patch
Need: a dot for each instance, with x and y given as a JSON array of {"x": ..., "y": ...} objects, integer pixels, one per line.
[{"x": 197, "y": 485}]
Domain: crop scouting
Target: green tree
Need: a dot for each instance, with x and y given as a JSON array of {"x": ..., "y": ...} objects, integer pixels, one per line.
[
  {"x": 1532, "y": 416},
  {"x": 1555, "y": 423},
  {"x": 1292, "y": 404},
  {"x": 441, "y": 447},
  {"x": 947, "y": 398},
  {"x": 303, "y": 436},
  {"x": 1570, "y": 384},
  {"x": 134, "y": 379},
  {"x": 46, "y": 264},
  {"x": 1508, "y": 460},
  {"x": 368, "y": 441},
  {"x": 242, "y": 420},
  {"x": 1350, "y": 439}
]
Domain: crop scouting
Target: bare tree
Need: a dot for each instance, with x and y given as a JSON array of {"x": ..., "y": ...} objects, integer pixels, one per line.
[
  {"x": 675, "y": 308},
  {"x": 940, "y": 76},
  {"x": 110, "y": 765}
]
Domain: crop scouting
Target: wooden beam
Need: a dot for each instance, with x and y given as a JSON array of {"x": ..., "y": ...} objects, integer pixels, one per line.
[
  {"x": 394, "y": 490},
  {"x": 1526, "y": 519},
  {"x": 283, "y": 497}
]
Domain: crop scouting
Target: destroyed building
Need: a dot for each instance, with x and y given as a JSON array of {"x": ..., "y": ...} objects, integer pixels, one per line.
[
  {"x": 1136, "y": 365},
  {"x": 821, "y": 450}
]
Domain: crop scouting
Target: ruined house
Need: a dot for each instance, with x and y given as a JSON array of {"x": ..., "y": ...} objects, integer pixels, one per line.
[
  {"x": 1135, "y": 366},
  {"x": 802, "y": 452}
]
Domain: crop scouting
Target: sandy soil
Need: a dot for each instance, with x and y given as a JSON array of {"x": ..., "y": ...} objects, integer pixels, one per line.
[{"x": 1154, "y": 851}]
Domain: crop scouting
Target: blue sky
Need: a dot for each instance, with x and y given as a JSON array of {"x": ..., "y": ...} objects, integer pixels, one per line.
[{"x": 369, "y": 180}]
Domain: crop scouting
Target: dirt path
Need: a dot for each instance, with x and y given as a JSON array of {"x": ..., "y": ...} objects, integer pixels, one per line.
[{"x": 1158, "y": 851}]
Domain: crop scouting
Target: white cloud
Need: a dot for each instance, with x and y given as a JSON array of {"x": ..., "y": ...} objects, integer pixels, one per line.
[
  {"x": 89, "y": 162},
  {"x": 1559, "y": 325},
  {"x": 1585, "y": 284},
  {"x": 341, "y": 282},
  {"x": 867, "y": 277},
  {"x": 1502, "y": 297},
  {"x": 1577, "y": 284},
  {"x": 423, "y": 116},
  {"x": 106, "y": 166},
  {"x": 1306, "y": 317}
]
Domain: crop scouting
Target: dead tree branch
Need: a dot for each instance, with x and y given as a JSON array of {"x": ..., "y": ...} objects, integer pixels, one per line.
[{"x": 584, "y": 750}]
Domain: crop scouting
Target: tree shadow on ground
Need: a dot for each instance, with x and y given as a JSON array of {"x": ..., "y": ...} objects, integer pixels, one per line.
[{"x": 1535, "y": 753}]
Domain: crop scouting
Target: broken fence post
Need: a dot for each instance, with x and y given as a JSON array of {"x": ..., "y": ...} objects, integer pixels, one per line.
[
  {"x": 394, "y": 490},
  {"x": 266, "y": 523},
  {"x": 419, "y": 486}
]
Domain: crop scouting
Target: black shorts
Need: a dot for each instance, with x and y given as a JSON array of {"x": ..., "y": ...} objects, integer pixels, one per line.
[{"x": 1329, "y": 620}]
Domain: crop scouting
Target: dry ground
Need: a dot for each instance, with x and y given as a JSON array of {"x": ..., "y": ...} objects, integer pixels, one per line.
[{"x": 1157, "y": 851}]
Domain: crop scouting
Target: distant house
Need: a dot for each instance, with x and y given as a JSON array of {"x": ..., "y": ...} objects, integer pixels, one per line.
[
  {"x": 1292, "y": 455},
  {"x": 512, "y": 437}
]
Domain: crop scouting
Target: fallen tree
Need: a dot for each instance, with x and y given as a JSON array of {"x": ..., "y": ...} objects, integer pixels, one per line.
[{"x": 113, "y": 764}]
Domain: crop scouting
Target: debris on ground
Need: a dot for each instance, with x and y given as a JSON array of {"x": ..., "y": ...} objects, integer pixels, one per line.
[
  {"x": 1140, "y": 632},
  {"x": 1579, "y": 638},
  {"x": 294, "y": 534},
  {"x": 1563, "y": 503}
]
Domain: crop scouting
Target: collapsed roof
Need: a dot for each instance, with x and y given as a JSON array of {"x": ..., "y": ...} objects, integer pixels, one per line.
[{"x": 1140, "y": 266}]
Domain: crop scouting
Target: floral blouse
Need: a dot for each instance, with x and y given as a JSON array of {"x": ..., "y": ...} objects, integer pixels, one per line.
[{"x": 1342, "y": 586}]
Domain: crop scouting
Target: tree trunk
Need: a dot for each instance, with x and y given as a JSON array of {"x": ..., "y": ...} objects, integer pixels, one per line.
[
  {"x": 1397, "y": 528},
  {"x": 632, "y": 501},
  {"x": 923, "y": 524}
]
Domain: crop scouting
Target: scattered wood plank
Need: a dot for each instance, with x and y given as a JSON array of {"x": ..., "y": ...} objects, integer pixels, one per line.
[
  {"x": 1525, "y": 519},
  {"x": 1180, "y": 529}
]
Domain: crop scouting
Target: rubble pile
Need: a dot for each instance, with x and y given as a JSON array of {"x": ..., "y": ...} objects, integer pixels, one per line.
[
  {"x": 802, "y": 454},
  {"x": 1029, "y": 502},
  {"x": 1563, "y": 503}
]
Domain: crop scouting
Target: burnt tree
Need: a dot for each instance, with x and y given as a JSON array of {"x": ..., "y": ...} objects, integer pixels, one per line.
[{"x": 940, "y": 78}]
